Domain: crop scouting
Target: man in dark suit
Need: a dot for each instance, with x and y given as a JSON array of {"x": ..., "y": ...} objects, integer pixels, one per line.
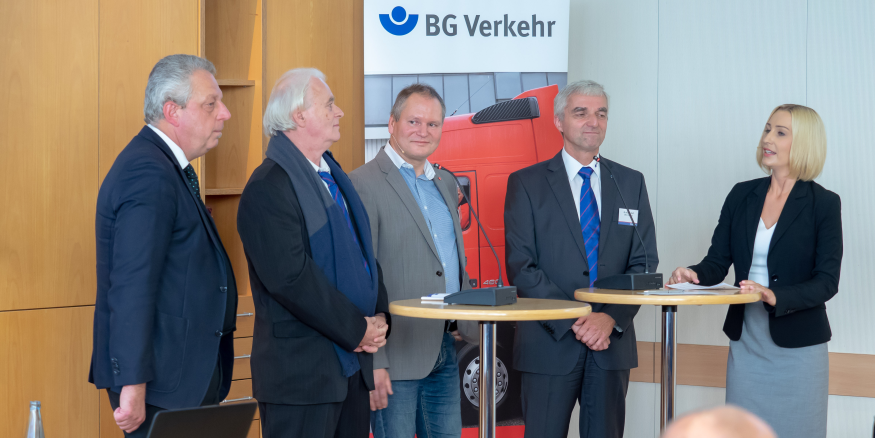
[
  {"x": 563, "y": 230},
  {"x": 321, "y": 307},
  {"x": 166, "y": 296}
]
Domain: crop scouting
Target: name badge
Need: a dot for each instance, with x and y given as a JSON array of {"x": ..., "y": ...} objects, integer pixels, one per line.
[{"x": 625, "y": 219}]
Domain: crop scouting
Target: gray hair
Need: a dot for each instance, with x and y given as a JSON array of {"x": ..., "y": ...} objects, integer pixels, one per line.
[
  {"x": 585, "y": 88},
  {"x": 288, "y": 95},
  {"x": 421, "y": 89},
  {"x": 170, "y": 80}
]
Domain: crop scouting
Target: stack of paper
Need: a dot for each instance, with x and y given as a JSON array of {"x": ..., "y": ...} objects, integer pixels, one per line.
[
  {"x": 695, "y": 289},
  {"x": 434, "y": 298}
]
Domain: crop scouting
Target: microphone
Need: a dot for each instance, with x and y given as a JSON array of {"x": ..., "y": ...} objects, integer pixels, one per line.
[
  {"x": 489, "y": 296},
  {"x": 629, "y": 281}
]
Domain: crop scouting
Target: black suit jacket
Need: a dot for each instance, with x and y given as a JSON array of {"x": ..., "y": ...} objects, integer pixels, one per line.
[
  {"x": 163, "y": 281},
  {"x": 299, "y": 314},
  {"x": 546, "y": 258},
  {"x": 804, "y": 261}
]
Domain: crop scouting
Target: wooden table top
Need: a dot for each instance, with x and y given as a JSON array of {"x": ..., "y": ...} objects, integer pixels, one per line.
[
  {"x": 612, "y": 296},
  {"x": 525, "y": 309}
]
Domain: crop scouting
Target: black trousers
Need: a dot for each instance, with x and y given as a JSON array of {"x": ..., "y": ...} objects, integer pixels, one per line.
[
  {"x": 347, "y": 419},
  {"x": 549, "y": 400},
  {"x": 211, "y": 398}
]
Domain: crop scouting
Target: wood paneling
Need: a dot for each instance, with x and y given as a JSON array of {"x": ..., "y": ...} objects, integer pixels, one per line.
[
  {"x": 224, "y": 210},
  {"x": 242, "y": 350},
  {"x": 133, "y": 37},
  {"x": 45, "y": 356},
  {"x": 328, "y": 35},
  {"x": 255, "y": 430},
  {"x": 245, "y": 324},
  {"x": 241, "y": 391},
  {"x": 239, "y": 151},
  {"x": 705, "y": 365},
  {"x": 233, "y": 38},
  {"x": 48, "y": 166}
]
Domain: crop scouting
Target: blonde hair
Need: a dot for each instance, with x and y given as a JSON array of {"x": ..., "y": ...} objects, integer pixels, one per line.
[{"x": 808, "y": 149}]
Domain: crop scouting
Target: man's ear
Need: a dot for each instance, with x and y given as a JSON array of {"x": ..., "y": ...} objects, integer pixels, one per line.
[
  {"x": 298, "y": 118},
  {"x": 391, "y": 124},
  {"x": 558, "y": 123},
  {"x": 171, "y": 112}
]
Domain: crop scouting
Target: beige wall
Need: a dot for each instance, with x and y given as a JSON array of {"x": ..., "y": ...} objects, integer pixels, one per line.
[{"x": 692, "y": 84}]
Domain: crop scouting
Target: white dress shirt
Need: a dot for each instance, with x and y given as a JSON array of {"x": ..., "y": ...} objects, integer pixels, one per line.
[
  {"x": 177, "y": 151},
  {"x": 572, "y": 167},
  {"x": 400, "y": 162}
]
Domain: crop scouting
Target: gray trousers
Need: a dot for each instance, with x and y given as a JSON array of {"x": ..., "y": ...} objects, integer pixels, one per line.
[{"x": 549, "y": 400}]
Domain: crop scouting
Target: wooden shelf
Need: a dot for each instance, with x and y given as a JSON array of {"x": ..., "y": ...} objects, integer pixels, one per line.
[
  {"x": 235, "y": 83},
  {"x": 223, "y": 192}
]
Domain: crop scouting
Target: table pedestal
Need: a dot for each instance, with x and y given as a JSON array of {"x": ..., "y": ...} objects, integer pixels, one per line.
[
  {"x": 669, "y": 364},
  {"x": 487, "y": 379}
]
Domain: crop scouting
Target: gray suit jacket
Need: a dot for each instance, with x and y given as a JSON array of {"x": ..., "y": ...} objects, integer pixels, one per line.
[
  {"x": 546, "y": 258},
  {"x": 410, "y": 262}
]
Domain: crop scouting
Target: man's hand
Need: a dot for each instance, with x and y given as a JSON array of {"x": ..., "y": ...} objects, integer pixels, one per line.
[
  {"x": 594, "y": 330},
  {"x": 375, "y": 336},
  {"x": 382, "y": 389},
  {"x": 132, "y": 408}
]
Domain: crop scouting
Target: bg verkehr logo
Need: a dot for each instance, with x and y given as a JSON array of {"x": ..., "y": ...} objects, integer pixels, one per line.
[{"x": 396, "y": 25}]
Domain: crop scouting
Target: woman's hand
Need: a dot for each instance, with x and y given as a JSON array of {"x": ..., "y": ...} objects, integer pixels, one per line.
[
  {"x": 752, "y": 287},
  {"x": 683, "y": 275}
]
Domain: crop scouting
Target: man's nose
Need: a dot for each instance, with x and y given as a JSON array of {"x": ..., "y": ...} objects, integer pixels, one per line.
[
  {"x": 224, "y": 113},
  {"x": 339, "y": 112}
]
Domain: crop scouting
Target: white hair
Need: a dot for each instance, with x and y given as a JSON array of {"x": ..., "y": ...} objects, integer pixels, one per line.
[
  {"x": 170, "y": 81},
  {"x": 288, "y": 95},
  {"x": 585, "y": 88}
]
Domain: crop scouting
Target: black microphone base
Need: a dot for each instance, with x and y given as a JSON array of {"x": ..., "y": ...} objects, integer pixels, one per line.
[
  {"x": 487, "y": 296},
  {"x": 630, "y": 282}
]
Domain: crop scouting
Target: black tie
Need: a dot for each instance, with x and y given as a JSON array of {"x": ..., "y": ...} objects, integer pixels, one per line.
[{"x": 192, "y": 180}]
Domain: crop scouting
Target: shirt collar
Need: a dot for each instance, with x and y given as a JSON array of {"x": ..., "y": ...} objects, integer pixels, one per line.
[
  {"x": 399, "y": 162},
  {"x": 177, "y": 151},
  {"x": 322, "y": 167},
  {"x": 572, "y": 166}
]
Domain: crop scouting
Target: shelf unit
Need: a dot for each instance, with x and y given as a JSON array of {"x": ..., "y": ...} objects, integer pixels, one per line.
[{"x": 233, "y": 41}]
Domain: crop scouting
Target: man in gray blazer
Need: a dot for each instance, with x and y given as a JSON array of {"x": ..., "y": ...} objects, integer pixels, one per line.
[
  {"x": 418, "y": 241},
  {"x": 563, "y": 230}
]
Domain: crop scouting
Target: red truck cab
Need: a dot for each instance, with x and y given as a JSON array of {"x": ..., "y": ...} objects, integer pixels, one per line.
[{"x": 483, "y": 149}]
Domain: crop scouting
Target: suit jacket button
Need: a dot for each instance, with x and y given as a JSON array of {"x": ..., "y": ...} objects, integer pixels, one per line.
[
  {"x": 223, "y": 289},
  {"x": 218, "y": 333},
  {"x": 775, "y": 277},
  {"x": 586, "y": 273},
  {"x": 439, "y": 273}
]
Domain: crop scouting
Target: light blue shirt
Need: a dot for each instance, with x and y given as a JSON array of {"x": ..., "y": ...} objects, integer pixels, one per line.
[{"x": 436, "y": 213}]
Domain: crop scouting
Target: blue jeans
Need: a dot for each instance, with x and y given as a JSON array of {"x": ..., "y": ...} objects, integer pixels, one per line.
[{"x": 429, "y": 407}]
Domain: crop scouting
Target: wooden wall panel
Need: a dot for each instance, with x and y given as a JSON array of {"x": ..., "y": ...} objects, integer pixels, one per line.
[
  {"x": 46, "y": 356},
  {"x": 229, "y": 164},
  {"x": 325, "y": 34},
  {"x": 133, "y": 37},
  {"x": 108, "y": 428},
  {"x": 48, "y": 152}
]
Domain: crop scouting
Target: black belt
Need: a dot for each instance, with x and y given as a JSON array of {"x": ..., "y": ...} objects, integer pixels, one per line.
[{"x": 450, "y": 326}]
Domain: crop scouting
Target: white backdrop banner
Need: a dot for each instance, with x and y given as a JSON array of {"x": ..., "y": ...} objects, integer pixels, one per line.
[{"x": 425, "y": 36}]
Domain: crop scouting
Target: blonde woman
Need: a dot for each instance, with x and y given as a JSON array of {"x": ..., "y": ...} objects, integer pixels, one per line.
[{"x": 783, "y": 235}]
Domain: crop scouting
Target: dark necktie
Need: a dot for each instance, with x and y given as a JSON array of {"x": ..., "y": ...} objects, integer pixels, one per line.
[
  {"x": 338, "y": 198},
  {"x": 589, "y": 224},
  {"x": 192, "y": 180}
]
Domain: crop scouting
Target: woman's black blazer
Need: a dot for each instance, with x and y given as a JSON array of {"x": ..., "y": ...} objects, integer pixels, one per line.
[{"x": 805, "y": 257}]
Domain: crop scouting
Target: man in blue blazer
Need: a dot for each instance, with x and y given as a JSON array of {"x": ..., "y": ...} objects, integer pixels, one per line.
[{"x": 166, "y": 295}]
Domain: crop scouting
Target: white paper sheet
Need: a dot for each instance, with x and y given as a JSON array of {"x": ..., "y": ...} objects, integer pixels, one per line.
[{"x": 691, "y": 286}]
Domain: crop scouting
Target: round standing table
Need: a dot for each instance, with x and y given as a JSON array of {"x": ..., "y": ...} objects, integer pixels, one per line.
[
  {"x": 525, "y": 309},
  {"x": 669, "y": 305}
]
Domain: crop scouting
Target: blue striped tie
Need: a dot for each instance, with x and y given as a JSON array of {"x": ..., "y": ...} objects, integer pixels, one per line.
[
  {"x": 589, "y": 224},
  {"x": 338, "y": 198}
]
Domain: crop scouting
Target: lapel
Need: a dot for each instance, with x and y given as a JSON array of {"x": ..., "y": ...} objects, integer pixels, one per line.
[
  {"x": 212, "y": 232},
  {"x": 796, "y": 201},
  {"x": 609, "y": 197},
  {"x": 394, "y": 178},
  {"x": 558, "y": 180},
  {"x": 452, "y": 201},
  {"x": 755, "y": 201}
]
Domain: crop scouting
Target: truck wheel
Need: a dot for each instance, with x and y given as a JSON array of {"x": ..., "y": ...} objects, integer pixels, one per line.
[{"x": 507, "y": 389}]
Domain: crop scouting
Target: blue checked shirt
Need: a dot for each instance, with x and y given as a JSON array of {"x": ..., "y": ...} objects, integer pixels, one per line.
[{"x": 436, "y": 213}]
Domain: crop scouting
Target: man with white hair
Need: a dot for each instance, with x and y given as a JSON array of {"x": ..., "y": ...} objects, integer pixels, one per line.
[
  {"x": 166, "y": 295},
  {"x": 321, "y": 307},
  {"x": 566, "y": 225}
]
